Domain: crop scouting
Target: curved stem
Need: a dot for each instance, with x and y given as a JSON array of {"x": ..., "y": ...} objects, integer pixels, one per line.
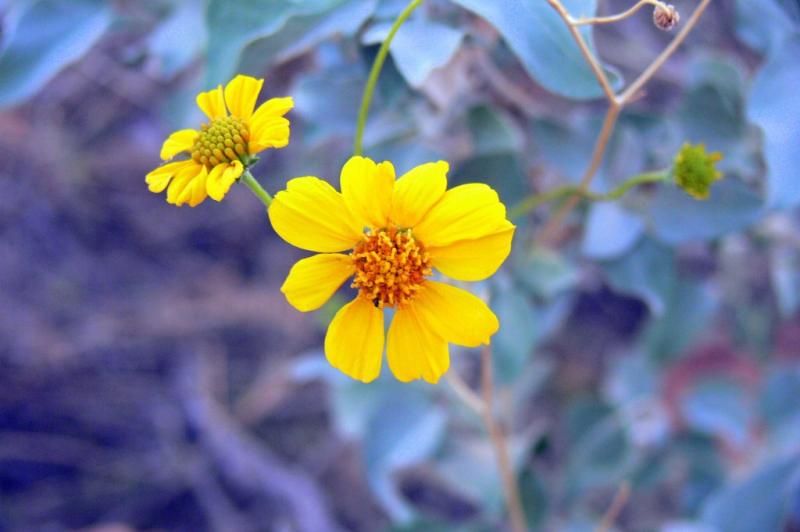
[
  {"x": 535, "y": 200},
  {"x": 590, "y": 58},
  {"x": 372, "y": 81},
  {"x": 618, "y": 17},
  {"x": 248, "y": 179}
]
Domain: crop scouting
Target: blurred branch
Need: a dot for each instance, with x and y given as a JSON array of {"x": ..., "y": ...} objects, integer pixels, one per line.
[
  {"x": 617, "y": 504},
  {"x": 535, "y": 200},
  {"x": 241, "y": 458},
  {"x": 465, "y": 393},
  {"x": 616, "y": 103},
  {"x": 483, "y": 406},
  {"x": 500, "y": 444},
  {"x": 616, "y": 18},
  {"x": 372, "y": 81}
]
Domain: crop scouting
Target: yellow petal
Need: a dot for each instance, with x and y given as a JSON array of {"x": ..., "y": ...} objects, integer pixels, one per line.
[
  {"x": 221, "y": 177},
  {"x": 312, "y": 281},
  {"x": 158, "y": 179},
  {"x": 241, "y": 94},
  {"x": 177, "y": 192},
  {"x": 354, "y": 341},
  {"x": 465, "y": 212},
  {"x": 417, "y": 191},
  {"x": 177, "y": 142},
  {"x": 195, "y": 191},
  {"x": 272, "y": 108},
  {"x": 310, "y": 214},
  {"x": 367, "y": 190},
  {"x": 456, "y": 315},
  {"x": 268, "y": 128},
  {"x": 476, "y": 259},
  {"x": 413, "y": 349},
  {"x": 270, "y": 133},
  {"x": 212, "y": 103}
]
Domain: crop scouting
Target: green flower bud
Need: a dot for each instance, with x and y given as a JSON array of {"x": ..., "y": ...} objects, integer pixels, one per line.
[{"x": 695, "y": 170}]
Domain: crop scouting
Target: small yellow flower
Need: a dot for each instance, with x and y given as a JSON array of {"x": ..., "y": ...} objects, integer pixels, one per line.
[
  {"x": 695, "y": 170},
  {"x": 397, "y": 232},
  {"x": 224, "y": 146}
]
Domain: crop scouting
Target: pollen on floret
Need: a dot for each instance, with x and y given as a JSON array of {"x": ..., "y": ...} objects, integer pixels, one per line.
[
  {"x": 222, "y": 140},
  {"x": 390, "y": 266},
  {"x": 695, "y": 170}
]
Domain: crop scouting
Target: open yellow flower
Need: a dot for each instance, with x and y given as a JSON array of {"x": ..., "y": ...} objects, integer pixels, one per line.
[
  {"x": 224, "y": 146},
  {"x": 397, "y": 232}
]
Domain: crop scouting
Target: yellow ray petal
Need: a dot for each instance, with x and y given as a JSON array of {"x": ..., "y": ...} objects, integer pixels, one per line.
[
  {"x": 212, "y": 103},
  {"x": 456, "y": 315},
  {"x": 158, "y": 179},
  {"x": 177, "y": 142},
  {"x": 416, "y": 191},
  {"x": 310, "y": 214},
  {"x": 367, "y": 190},
  {"x": 465, "y": 212},
  {"x": 268, "y": 128},
  {"x": 176, "y": 193},
  {"x": 413, "y": 348},
  {"x": 354, "y": 341},
  {"x": 221, "y": 177},
  {"x": 271, "y": 133},
  {"x": 274, "y": 107},
  {"x": 195, "y": 191},
  {"x": 241, "y": 94},
  {"x": 312, "y": 281},
  {"x": 476, "y": 259}
]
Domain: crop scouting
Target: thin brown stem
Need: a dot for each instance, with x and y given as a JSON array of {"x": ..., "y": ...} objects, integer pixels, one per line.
[
  {"x": 648, "y": 73},
  {"x": 594, "y": 64},
  {"x": 617, "y": 504},
  {"x": 597, "y": 158},
  {"x": 616, "y": 18},
  {"x": 500, "y": 445}
]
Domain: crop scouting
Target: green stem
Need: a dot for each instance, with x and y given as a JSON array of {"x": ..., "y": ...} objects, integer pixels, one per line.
[
  {"x": 535, "y": 200},
  {"x": 248, "y": 179},
  {"x": 372, "y": 81}
]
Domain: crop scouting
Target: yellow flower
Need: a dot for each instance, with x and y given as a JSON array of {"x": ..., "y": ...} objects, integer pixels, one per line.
[
  {"x": 224, "y": 146},
  {"x": 397, "y": 232}
]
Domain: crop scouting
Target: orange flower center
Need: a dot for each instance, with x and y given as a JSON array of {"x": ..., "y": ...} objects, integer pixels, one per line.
[
  {"x": 222, "y": 140},
  {"x": 390, "y": 266}
]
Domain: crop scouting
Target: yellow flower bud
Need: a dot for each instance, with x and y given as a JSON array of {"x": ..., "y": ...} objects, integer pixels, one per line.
[{"x": 695, "y": 170}]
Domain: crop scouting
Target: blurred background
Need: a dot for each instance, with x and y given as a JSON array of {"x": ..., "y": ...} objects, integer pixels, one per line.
[{"x": 152, "y": 376}]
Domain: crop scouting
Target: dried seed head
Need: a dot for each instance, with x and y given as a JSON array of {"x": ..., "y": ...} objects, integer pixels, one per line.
[{"x": 665, "y": 17}]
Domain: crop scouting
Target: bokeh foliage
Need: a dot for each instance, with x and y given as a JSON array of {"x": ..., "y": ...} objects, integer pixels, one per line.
[{"x": 657, "y": 346}]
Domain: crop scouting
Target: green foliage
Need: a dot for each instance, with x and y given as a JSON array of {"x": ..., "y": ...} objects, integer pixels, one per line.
[
  {"x": 759, "y": 503},
  {"x": 549, "y": 55},
  {"x": 279, "y": 28},
  {"x": 423, "y": 46},
  {"x": 48, "y": 35}
]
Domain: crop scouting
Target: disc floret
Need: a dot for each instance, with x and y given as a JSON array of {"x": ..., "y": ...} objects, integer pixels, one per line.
[
  {"x": 222, "y": 140},
  {"x": 390, "y": 266}
]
